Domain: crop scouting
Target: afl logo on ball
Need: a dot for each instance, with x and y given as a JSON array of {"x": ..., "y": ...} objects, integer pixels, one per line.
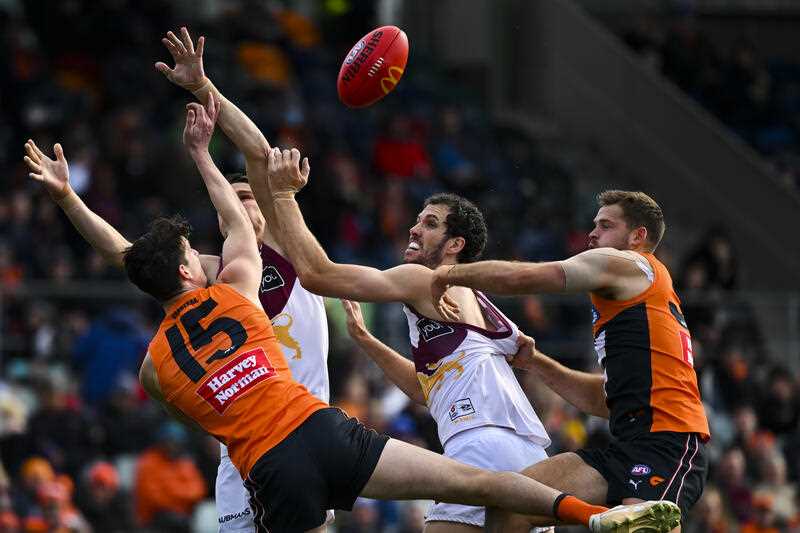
[
  {"x": 354, "y": 52},
  {"x": 272, "y": 279},
  {"x": 430, "y": 329}
]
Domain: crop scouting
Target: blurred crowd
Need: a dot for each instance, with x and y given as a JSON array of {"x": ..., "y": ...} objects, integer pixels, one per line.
[
  {"x": 756, "y": 96},
  {"x": 82, "y": 448}
]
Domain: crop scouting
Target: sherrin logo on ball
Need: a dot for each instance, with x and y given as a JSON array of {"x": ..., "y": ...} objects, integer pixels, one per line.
[{"x": 373, "y": 67}]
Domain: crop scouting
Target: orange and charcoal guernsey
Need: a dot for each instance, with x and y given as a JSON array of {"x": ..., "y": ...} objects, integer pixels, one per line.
[
  {"x": 218, "y": 361},
  {"x": 645, "y": 349}
]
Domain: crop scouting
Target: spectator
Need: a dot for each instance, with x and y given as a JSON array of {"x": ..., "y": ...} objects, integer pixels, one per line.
[
  {"x": 774, "y": 487},
  {"x": 764, "y": 519},
  {"x": 168, "y": 484},
  {"x": 116, "y": 332},
  {"x": 779, "y": 408},
  {"x": 102, "y": 502},
  {"x": 731, "y": 476},
  {"x": 710, "y": 515}
]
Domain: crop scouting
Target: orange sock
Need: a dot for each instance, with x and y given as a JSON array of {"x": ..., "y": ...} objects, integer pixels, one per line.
[{"x": 574, "y": 511}]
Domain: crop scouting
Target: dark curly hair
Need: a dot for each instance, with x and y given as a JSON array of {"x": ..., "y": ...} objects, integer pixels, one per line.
[
  {"x": 153, "y": 259},
  {"x": 464, "y": 220}
]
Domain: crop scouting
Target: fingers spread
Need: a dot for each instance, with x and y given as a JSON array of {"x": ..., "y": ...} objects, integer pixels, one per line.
[
  {"x": 31, "y": 165},
  {"x": 187, "y": 40},
  {"x": 163, "y": 68},
  {"x": 173, "y": 50},
  {"x": 31, "y": 152},
  {"x": 177, "y": 42},
  {"x": 200, "y": 45}
]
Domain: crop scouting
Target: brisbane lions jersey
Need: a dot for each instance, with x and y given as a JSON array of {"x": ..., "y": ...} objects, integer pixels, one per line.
[{"x": 465, "y": 377}]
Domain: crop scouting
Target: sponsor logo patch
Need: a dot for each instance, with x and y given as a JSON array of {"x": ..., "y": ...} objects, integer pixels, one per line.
[
  {"x": 235, "y": 378},
  {"x": 430, "y": 329},
  {"x": 461, "y": 408},
  {"x": 640, "y": 470},
  {"x": 656, "y": 481},
  {"x": 233, "y": 516},
  {"x": 272, "y": 279}
]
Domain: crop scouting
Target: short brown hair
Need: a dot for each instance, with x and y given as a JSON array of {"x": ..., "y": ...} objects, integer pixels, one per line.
[{"x": 638, "y": 210}]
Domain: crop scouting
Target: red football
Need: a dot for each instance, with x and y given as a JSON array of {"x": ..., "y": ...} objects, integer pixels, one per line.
[{"x": 373, "y": 67}]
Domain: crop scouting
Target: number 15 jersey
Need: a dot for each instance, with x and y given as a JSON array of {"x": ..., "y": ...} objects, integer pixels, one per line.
[{"x": 219, "y": 362}]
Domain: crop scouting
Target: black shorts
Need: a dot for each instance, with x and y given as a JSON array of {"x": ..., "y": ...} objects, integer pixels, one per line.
[
  {"x": 323, "y": 464},
  {"x": 657, "y": 466}
]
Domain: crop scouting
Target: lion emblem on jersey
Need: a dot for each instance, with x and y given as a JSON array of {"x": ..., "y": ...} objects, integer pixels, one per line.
[{"x": 281, "y": 324}]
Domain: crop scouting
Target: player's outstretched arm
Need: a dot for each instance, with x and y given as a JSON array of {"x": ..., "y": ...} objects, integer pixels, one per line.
[
  {"x": 54, "y": 174},
  {"x": 582, "y": 389},
  {"x": 240, "y": 249},
  {"x": 189, "y": 73},
  {"x": 318, "y": 274},
  {"x": 396, "y": 367},
  {"x": 100, "y": 235},
  {"x": 592, "y": 270}
]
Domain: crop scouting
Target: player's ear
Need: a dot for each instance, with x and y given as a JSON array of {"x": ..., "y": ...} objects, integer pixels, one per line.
[
  {"x": 639, "y": 236},
  {"x": 456, "y": 244},
  {"x": 184, "y": 273}
]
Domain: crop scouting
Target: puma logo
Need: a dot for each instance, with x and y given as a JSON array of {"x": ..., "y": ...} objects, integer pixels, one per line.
[
  {"x": 635, "y": 484},
  {"x": 281, "y": 324}
]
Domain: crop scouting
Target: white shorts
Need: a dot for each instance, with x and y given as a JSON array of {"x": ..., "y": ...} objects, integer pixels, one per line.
[
  {"x": 232, "y": 500},
  {"x": 490, "y": 447}
]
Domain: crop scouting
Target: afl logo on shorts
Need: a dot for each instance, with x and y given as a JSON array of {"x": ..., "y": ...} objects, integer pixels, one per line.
[
  {"x": 272, "y": 279},
  {"x": 430, "y": 329},
  {"x": 640, "y": 470}
]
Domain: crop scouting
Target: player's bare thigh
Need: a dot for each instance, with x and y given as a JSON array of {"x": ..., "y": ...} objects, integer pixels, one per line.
[
  {"x": 321, "y": 529},
  {"x": 565, "y": 472},
  {"x": 631, "y": 501},
  {"x": 450, "y": 527}
]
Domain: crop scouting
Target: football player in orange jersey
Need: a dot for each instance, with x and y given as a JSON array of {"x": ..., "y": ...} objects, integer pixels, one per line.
[{"x": 648, "y": 388}]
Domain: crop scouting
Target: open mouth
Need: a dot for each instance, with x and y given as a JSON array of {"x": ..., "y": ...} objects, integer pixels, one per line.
[{"x": 413, "y": 246}]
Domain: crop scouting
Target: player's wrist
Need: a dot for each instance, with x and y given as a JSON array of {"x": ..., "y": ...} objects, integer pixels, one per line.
[
  {"x": 198, "y": 87},
  {"x": 64, "y": 197},
  {"x": 283, "y": 195}
]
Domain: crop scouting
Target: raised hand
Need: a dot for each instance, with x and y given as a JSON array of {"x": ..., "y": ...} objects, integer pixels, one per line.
[
  {"x": 53, "y": 174},
  {"x": 355, "y": 320},
  {"x": 188, "y": 72},
  {"x": 286, "y": 177},
  {"x": 444, "y": 304},
  {"x": 200, "y": 124}
]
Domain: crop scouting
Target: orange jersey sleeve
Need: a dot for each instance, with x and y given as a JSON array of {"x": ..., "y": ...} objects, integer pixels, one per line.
[
  {"x": 645, "y": 349},
  {"x": 218, "y": 361}
]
